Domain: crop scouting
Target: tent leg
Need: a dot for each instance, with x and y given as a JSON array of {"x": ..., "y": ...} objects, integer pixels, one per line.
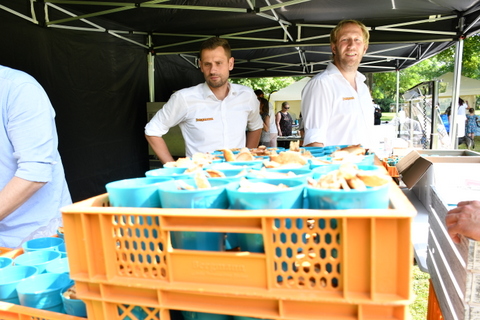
[
  {"x": 457, "y": 73},
  {"x": 151, "y": 70}
]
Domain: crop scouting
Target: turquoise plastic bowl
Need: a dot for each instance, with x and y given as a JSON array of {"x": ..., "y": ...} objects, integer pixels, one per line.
[
  {"x": 73, "y": 307},
  {"x": 5, "y": 262},
  {"x": 372, "y": 198},
  {"x": 39, "y": 259},
  {"x": 42, "y": 291},
  {"x": 166, "y": 173},
  {"x": 189, "y": 315},
  {"x": 300, "y": 174},
  {"x": 135, "y": 192},
  {"x": 323, "y": 170},
  {"x": 291, "y": 198},
  {"x": 45, "y": 243},
  {"x": 58, "y": 266},
  {"x": 212, "y": 198},
  {"x": 63, "y": 250},
  {"x": 232, "y": 175},
  {"x": 9, "y": 279}
]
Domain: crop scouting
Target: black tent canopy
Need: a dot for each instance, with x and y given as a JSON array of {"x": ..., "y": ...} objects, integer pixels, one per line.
[
  {"x": 273, "y": 38},
  {"x": 99, "y": 60}
]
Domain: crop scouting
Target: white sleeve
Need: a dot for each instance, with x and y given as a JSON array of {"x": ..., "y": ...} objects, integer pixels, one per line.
[
  {"x": 316, "y": 108},
  {"x": 172, "y": 113}
]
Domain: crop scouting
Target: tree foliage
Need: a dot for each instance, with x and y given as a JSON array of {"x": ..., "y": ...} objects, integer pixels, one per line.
[
  {"x": 384, "y": 87},
  {"x": 267, "y": 85}
]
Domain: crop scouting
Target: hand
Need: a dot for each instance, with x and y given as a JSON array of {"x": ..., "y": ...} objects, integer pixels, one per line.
[{"x": 464, "y": 220}]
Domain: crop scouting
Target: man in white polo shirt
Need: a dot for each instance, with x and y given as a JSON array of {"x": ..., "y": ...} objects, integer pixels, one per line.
[
  {"x": 336, "y": 104},
  {"x": 213, "y": 115}
]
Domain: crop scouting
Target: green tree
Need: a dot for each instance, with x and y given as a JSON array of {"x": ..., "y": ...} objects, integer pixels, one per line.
[
  {"x": 384, "y": 84},
  {"x": 267, "y": 85}
]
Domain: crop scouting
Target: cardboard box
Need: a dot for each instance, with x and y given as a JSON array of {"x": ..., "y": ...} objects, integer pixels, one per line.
[{"x": 421, "y": 169}]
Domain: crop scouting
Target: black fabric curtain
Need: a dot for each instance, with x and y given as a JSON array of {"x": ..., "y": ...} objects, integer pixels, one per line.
[{"x": 98, "y": 86}]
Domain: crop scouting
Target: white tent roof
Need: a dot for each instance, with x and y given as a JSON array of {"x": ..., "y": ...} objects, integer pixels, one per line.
[
  {"x": 291, "y": 93},
  {"x": 468, "y": 86}
]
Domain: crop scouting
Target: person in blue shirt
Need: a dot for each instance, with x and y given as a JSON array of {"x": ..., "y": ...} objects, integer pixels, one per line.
[
  {"x": 32, "y": 180},
  {"x": 446, "y": 119}
]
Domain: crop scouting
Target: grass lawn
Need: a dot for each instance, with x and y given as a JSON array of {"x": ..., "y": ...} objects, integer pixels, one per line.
[{"x": 418, "y": 309}]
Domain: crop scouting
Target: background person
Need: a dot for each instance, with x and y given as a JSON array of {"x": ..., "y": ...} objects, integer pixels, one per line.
[
  {"x": 377, "y": 114},
  {"x": 284, "y": 121},
  {"x": 336, "y": 104},
  {"x": 471, "y": 126},
  {"x": 32, "y": 181},
  {"x": 212, "y": 115},
  {"x": 273, "y": 125},
  {"x": 265, "y": 115}
]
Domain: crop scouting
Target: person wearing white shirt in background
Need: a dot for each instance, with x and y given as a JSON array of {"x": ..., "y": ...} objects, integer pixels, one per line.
[
  {"x": 212, "y": 115},
  {"x": 336, "y": 104},
  {"x": 273, "y": 125},
  {"x": 461, "y": 117}
]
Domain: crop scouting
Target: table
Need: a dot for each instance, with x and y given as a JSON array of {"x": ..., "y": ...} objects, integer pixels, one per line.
[{"x": 285, "y": 141}]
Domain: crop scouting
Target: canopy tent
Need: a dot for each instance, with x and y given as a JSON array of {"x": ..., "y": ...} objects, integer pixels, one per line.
[
  {"x": 469, "y": 88},
  {"x": 292, "y": 94},
  {"x": 101, "y": 61}
]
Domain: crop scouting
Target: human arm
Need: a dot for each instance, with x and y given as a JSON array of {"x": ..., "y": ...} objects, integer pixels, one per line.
[
  {"x": 15, "y": 193},
  {"x": 253, "y": 138},
  {"x": 266, "y": 124},
  {"x": 160, "y": 148},
  {"x": 278, "y": 117},
  {"x": 464, "y": 220}
]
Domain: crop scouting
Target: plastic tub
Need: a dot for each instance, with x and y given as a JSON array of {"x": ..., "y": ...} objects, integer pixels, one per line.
[
  {"x": 58, "y": 266},
  {"x": 63, "y": 250},
  {"x": 290, "y": 198},
  {"x": 212, "y": 198},
  {"x": 300, "y": 174},
  {"x": 42, "y": 291},
  {"x": 136, "y": 192},
  {"x": 39, "y": 259},
  {"x": 5, "y": 262},
  {"x": 73, "y": 307},
  {"x": 9, "y": 279},
  {"x": 45, "y": 243},
  {"x": 168, "y": 173}
]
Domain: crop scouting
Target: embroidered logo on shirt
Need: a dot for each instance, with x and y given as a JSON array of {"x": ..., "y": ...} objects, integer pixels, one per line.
[
  {"x": 348, "y": 98},
  {"x": 203, "y": 119}
]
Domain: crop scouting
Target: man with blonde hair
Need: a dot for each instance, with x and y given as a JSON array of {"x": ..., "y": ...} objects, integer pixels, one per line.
[{"x": 336, "y": 104}]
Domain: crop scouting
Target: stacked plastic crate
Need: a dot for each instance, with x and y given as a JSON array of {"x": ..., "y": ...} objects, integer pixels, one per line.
[{"x": 318, "y": 264}]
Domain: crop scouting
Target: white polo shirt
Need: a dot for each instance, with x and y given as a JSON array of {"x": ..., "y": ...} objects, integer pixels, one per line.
[
  {"x": 209, "y": 124},
  {"x": 334, "y": 113}
]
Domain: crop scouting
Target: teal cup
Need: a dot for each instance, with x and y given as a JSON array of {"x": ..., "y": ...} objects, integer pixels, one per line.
[
  {"x": 45, "y": 243},
  {"x": 42, "y": 291},
  {"x": 9, "y": 279},
  {"x": 39, "y": 259},
  {"x": 63, "y": 250},
  {"x": 73, "y": 307},
  {"x": 211, "y": 198},
  {"x": 289, "y": 198},
  {"x": 135, "y": 192},
  {"x": 173, "y": 173},
  {"x": 189, "y": 315},
  {"x": 5, "y": 262},
  {"x": 58, "y": 266},
  {"x": 297, "y": 174}
]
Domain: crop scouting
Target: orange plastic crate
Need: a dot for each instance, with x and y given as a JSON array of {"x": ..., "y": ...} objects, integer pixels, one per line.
[
  {"x": 106, "y": 301},
  {"x": 361, "y": 258},
  {"x": 10, "y": 311}
]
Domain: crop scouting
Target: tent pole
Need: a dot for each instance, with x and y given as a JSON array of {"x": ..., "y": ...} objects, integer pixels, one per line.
[
  {"x": 397, "y": 98},
  {"x": 457, "y": 72},
  {"x": 151, "y": 69}
]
